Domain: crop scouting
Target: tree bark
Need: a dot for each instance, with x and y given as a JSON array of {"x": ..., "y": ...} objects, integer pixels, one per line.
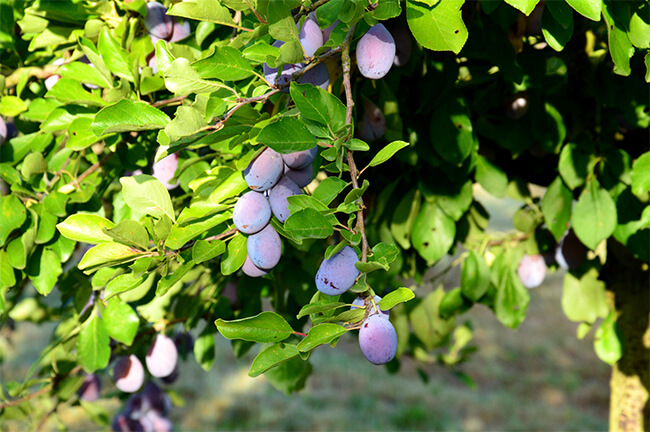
[{"x": 630, "y": 284}]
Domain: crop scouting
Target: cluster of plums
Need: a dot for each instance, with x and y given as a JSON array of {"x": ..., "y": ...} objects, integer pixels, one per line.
[
  {"x": 570, "y": 253},
  {"x": 147, "y": 409},
  {"x": 273, "y": 178},
  {"x": 160, "y": 26}
]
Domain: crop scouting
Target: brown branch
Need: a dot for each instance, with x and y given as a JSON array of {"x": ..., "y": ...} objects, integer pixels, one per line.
[
  {"x": 168, "y": 101},
  {"x": 309, "y": 9},
  {"x": 26, "y": 398},
  {"x": 349, "y": 102}
]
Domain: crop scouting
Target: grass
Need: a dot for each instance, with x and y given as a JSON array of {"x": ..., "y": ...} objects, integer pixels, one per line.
[{"x": 539, "y": 377}]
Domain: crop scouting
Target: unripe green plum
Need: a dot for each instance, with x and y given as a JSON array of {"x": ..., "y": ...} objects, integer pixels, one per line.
[
  {"x": 265, "y": 248},
  {"x": 375, "y": 52},
  {"x": 264, "y": 171},
  {"x": 162, "y": 356},
  {"x": 128, "y": 374},
  {"x": 337, "y": 274},
  {"x": 532, "y": 270},
  {"x": 378, "y": 339},
  {"x": 278, "y": 197}
]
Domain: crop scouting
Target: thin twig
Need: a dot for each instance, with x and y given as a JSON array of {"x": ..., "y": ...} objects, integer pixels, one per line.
[
  {"x": 168, "y": 101},
  {"x": 309, "y": 9}
]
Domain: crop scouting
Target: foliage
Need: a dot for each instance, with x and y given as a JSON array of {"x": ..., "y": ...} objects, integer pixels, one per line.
[{"x": 501, "y": 94}]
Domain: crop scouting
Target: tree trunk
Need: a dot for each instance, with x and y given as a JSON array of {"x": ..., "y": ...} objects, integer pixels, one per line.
[{"x": 630, "y": 284}]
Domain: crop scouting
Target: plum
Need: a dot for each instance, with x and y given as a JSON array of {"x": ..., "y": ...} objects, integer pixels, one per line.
[
  {"x": 531, "y": 270},
  {"x": 265, "y": 248},
  {"x": 158, "y": 24},
  {"x": 162, "y": 356},
  {"x": 154, "y": 399},
  {"x": 403, "y": 45},
  {"x": 252, "y": 212},
  {"x": 300, "y": 159},
  {"x": 517, "y": 105},
  {"x": 570, "y": 252},
  {"x": 378, "y": 339},
  {"x": 128, "y": 374},
  {"x": 337, "y": 274},
  {"x": 158, "y": 422},
  {"x": 123, "y": 423},
  {"x": 180, "y": 31},
  {"x": 165, "y": 169},
  {"x": 301, "y": 177},
  {"x": 251, "y": 269},
  {"x": 327, "y": 32},
  {"x": 53, "y": 79},
  {"x": 375, "y": 52},
  {"x": 278, "y": 197},
  {"x": 3, "y": 130},
  {"x": 90, "y": 389},
  {"x": 318, "y": 76},
  {"x": 264, "y": 171},
  {"x": 310, "y": 35},
  {"x": 373, "y": 122}
]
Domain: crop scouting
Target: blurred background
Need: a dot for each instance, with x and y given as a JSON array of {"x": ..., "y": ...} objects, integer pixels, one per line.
[{"x": 539, "y": 377}]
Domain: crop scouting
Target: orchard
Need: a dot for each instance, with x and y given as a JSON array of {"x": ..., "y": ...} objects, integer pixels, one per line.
[{"x": 281, "y": 173}]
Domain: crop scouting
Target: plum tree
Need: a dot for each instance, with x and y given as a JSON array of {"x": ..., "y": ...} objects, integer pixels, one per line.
[
  {"x": 158, "y": 23},
  {"x": 301, "y": 177},
  {"x": 373, "y": 122},
  {"x": 165, "y": 169},
  {"x": 337, "y": 274},
  {"x": 252, "y": 212},
  {"x": 162, "y": 356},
  {"x": 278, "y": 197},
  {"x": 532, "y": 270},
  {"x": 264, "y": 171},
  {"x": 378, "y": 339},
  {"x": 90, "y": 389},
  {"x": 375, "y": 52},
  {"x": 301, "y": 159},
  {"x": 310, "y": 35},
  {"x": 128, "y": 374},
  {"x": 265, "y": 248}
]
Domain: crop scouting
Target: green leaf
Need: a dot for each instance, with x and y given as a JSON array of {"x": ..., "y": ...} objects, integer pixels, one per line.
[
  {"x": 123, "y": 283},
  {"x": 128, "y": 116},
  {"x": 525, "y": 6},
  {"x": 225, "y": 64},
  {"x": 204, "y": 351},
  {"x": 640, "y": 174},
  {"x": 556, "y": 207},
  {"x": 639, "y": 31},
  {"x": 130, "y": 233},
  {"x": 321, "y": 334},
  {"x": 84, "y": 73},
  {"x": 11, "y": 106},
  {"x": 85, "y": 228},
  {"x": 319, "y": 306},
  {"x": 433, "y": 233},
  {"x": 286, "y": 135},
  {"x": 264, "y": 327},
  {"x": 181, "y": 78},
  {"x": 33, "y": 164},
  {"x": 44, "y": 269},
  {"x": 235, "y": 255},
  {"x": 406, "y": 212},
  {"x": 575, "y": 164},
  {"x": 387, "y": 152},
  {"x": 319, "y": 105},
  {"x": 93, "y": 345},
  {"x": 81, "y": 135},
  {"x": 491, "y": 177},
  {"x": 451, "y": 131},
  {"x": 308, "y": 223},
  {"x": 107, "y": 253},
  {"x": 167, "y": 282},
  {"x": 206, "y": 250},
  {"x": 382, "y": 256},
  {"x": 555, "y": 33},
  {"x": 400, "y": 295},
  {"x": 437, "y": 25},
  {"x": 271, "y": 357},
  {"x": 620, "y": 47},
  {"x": 608, "y": 344},
  {"x": 329, "y": 189},
  {"x": 289, "y": 376},
  {"x": 206, "y": 10},
  {"x": 186, "y": 230},
  {"x": 120, "y": 321},
  {"x": 113, "y": 55},
  {"x": 144, "y": 193},
  {"x": 588, "y": 8},
  {"x": 584, "y": 299},
  {"x": 12, "y": 215},
  {"x": 7, "y": 275},
  {"x": 475, "y": 276},
  {"x": 512, "y": 298},
  {"x": 594, "y": 216},
  {"x": 188, "y": 121},
  {"x": 69, "y": 91},
  {"x": 427, "y": 324}
]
